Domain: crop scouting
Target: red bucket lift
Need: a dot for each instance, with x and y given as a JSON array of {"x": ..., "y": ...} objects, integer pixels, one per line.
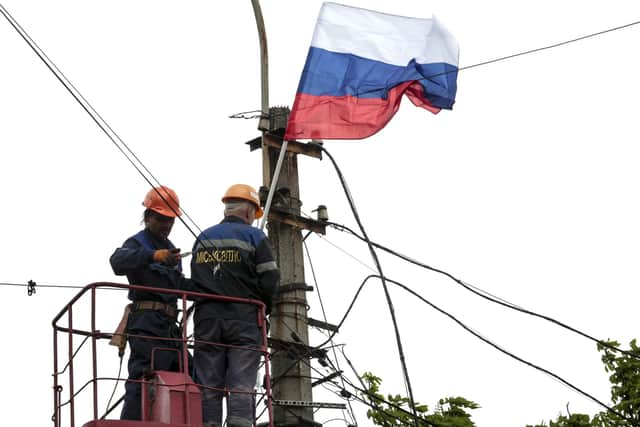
[{"x": 169, "y": 399}]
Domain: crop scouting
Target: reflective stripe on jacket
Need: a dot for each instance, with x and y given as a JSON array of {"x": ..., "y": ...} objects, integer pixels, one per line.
[{"x": 234, "y": 259}]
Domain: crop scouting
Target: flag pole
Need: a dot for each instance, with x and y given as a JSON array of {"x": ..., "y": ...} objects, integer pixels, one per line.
[
  {"x": 264, "y": 117},
  {"x": 264, "y": 66},
  {"x": 274, "y": 183}
]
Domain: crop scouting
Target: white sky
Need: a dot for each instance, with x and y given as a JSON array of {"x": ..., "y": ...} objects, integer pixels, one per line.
[{"x": 527, "y": 189}]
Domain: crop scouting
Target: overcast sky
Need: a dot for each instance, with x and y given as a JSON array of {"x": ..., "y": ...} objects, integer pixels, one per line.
[{"x": 527, "y": 189}]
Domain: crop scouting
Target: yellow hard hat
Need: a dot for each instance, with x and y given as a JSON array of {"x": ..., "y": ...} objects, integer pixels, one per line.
[{"x": 244, "y": 192}]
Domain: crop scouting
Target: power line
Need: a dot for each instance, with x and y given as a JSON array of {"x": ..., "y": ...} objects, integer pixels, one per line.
[
  {"x": 364, "y": 386},
  {"x": 95, "y": 116},
  {"x": 353, "y": 257},
  {"x": 324, "y": 316},
  {"x": 469, "y": 287},
  {"x": 519, "y": 359},
  {"x": 377, "y": 400},
  {"x": 374, "y": 255},
  {"x": 477, "y": 335},
  {"x": 104, "y": 126},
  {"x": 551, "y": 46},
  {"x": 26, "y": 285},
  {"x": 527, "y": 52},
  {"x": 504, "y": 303},
  {"x": 486, "y": 295}
]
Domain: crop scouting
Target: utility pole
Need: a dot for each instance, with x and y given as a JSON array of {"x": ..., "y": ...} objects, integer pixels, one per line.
[
  {"x": 289, "y": 334},
  {"x": 291, "y": 356}
]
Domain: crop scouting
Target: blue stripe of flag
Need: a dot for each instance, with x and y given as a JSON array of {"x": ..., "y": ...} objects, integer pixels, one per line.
[{"x": 329, "y": 73}]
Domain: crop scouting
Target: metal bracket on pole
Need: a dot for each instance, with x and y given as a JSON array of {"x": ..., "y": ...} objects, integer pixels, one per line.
[
  {"x": 297, "y": 349},
  {"x": 294, "y": 287},
  {"x": 310, "y": 404},
  {"x": 322, "y": 325}
]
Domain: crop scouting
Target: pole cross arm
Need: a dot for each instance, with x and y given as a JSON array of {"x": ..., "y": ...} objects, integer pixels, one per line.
[
  {"x": 275, "y": 141},
  {"x": 297, "y": 221},
  {"x": 297, "y": 348}
]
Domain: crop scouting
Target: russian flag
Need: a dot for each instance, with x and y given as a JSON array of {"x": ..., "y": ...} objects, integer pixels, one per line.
[{"x": 359, "y": 65}]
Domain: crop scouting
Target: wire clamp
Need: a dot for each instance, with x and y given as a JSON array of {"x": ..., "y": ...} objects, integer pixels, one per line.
[{"x": 31, "y": 287}]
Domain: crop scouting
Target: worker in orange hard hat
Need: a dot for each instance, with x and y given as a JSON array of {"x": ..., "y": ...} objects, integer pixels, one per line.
[
  {"x": 234, "y": 259},
  {"x": 244, "y": 192},
  {"x": 149, "y": 258},
  {"x": 164, "y": 201},
  {"x": 163, "y": 206}
]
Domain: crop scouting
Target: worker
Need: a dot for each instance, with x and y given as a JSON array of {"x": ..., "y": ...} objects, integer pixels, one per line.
[
  {"x": 233, "y": 259},
  {"x": 148, "y": 258}
]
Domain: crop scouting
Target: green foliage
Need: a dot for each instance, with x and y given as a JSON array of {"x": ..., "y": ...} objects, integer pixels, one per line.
[
  {"x": 395, "y": 410},
  {"x": 574, "y": 420},
  {"x": 624, "y": 375},
  {"x": 624, "y": 369},
  {"x": 625, "y": 380}
]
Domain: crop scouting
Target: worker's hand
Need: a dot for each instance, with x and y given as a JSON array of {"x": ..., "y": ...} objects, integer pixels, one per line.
[{"x": 167, "y": 256}]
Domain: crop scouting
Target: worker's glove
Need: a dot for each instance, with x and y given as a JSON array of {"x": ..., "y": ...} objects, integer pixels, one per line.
[{"x": 167, "y": 256}]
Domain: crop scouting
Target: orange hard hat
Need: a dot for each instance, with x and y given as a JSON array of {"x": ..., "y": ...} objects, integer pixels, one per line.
[
  {"x": 164, "y": 201},
  {"x": 244, "y": 192}
]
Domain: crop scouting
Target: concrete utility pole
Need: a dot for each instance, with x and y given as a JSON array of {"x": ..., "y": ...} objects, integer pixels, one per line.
[
  {"x": 289, "y": 336},
  {"x": 290, "y": 361}
]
